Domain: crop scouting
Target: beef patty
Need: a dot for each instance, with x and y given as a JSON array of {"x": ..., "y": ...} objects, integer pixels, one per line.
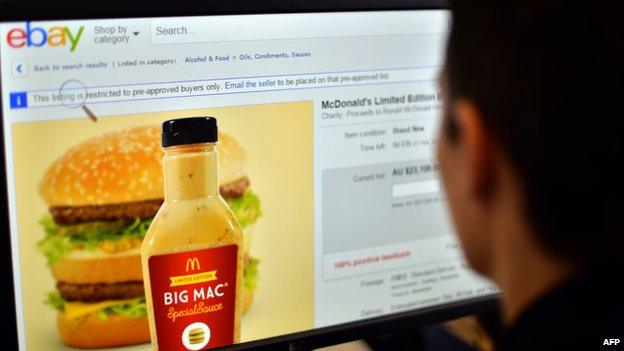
[
  {"x": 111, "y": 212},
  {"x": 100, "y": 291},
  {"x": 234, "y": 189},
  {"x": 130, "y": 210}
]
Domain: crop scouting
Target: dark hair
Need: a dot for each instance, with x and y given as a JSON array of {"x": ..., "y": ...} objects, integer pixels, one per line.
[{"x": 547, "y": 78}]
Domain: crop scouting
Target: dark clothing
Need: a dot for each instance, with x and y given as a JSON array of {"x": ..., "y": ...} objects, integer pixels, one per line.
[{"x": 578, "y": 315}]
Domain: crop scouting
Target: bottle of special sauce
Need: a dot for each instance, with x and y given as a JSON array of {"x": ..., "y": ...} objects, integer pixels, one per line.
[{"x": 192, "y": 254}]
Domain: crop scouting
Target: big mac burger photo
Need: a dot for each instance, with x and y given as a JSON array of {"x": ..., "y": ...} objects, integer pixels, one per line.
[{"x": 102, "y": 195}]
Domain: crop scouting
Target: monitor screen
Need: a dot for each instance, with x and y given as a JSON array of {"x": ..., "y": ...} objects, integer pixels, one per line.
[{"x": 328, "y": 125}]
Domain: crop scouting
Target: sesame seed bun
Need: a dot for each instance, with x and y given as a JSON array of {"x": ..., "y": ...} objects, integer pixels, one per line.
[
  {"x": 232, "y": 159},
  {"x": 94, "y": 332},
  {"x": 122, "y": 166}
]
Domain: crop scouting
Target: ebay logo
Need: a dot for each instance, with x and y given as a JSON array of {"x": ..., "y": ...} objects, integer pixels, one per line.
[{"x": 40, "y": 37}]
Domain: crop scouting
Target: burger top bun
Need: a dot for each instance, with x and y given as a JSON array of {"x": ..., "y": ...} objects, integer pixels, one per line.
[
  {"x": 122, "y": 166},
  {"x": 231, "y": 159}
]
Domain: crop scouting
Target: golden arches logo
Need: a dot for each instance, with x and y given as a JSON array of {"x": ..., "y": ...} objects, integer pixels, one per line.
[{"x": 192, "y": 264}]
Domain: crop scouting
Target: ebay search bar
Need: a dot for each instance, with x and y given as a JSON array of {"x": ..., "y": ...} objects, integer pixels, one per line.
[{"x": 295, "y": 26}]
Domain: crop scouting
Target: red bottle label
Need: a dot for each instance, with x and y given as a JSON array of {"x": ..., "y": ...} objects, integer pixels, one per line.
[{"x": 194, "y": 295}]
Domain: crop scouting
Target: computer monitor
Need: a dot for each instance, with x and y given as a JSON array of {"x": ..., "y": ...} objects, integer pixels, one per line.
[{"x": 328, "y": 113}]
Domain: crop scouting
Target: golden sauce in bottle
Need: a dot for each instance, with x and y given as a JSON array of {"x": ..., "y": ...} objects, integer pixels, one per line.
[{"x": 192, "y": 254}]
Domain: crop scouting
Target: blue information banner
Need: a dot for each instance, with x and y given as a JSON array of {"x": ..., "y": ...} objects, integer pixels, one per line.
[{"x": 18, "y": 100}]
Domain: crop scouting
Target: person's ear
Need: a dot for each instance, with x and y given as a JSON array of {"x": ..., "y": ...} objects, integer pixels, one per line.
[{"x": 476, "y": 148}]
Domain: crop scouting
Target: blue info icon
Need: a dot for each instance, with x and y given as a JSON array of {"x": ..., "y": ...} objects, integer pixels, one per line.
[{"x": 18, "y": 100}]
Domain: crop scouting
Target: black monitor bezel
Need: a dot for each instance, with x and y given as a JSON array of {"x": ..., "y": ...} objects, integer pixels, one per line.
[{"x": 48, "y": 10}]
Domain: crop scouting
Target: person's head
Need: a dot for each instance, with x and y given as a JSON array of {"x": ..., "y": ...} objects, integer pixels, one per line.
[{"x": 534, "y": 109}]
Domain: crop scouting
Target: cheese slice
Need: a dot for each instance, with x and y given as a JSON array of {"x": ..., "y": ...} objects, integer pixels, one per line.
[{"x": 75, "y": 310}]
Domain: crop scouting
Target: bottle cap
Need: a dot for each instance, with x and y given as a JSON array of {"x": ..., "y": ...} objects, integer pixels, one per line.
[{"x": 190, "y": 130}]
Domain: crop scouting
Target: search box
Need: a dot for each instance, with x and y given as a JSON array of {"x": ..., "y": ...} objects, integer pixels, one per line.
[
  {"x": 295, "y": 26},
  {"x": 416, "y": 188}
]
